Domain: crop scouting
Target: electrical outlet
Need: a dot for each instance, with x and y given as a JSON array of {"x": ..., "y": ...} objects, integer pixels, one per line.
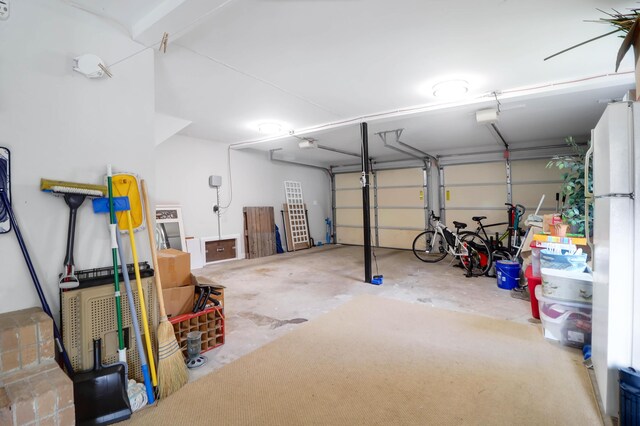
[{"x": 4, "y": 10}]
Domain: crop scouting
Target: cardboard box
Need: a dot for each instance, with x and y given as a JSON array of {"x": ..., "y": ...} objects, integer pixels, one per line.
[
  {"x": 175, "y": 268},
  {"x": 178, "y": 300}
]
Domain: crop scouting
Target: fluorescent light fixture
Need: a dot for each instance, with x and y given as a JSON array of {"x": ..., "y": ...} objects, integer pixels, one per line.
[{"x": 450, "y": 89}]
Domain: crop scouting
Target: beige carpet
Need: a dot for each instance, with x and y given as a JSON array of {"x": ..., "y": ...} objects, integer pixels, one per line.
[{"x": 376, "y": 361}]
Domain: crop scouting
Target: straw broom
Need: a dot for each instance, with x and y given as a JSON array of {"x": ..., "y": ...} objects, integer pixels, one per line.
[{"x": 172, "y": 371}]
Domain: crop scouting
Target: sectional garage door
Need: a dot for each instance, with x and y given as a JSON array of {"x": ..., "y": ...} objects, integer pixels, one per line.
[
  {"x": 481, "y": 189},
  {"x": 398, "y": 198},
  {"x": 397, "y": 201}
]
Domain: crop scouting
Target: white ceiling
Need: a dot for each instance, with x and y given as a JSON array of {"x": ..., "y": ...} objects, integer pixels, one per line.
[{"x": 313, "y": 64}]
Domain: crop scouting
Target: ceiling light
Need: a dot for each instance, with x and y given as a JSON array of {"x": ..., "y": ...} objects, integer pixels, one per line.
[
  {"x": 269, "y": 128},
  {"x": 450, "y": 89}
]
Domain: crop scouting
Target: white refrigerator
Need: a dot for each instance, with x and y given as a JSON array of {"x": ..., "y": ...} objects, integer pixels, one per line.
[{"x": 616, "y": 255}]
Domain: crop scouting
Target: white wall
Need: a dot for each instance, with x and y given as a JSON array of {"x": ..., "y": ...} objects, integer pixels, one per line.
[
  {"x": 185, "y": 163},
  {"x": 60, "y": 125}
]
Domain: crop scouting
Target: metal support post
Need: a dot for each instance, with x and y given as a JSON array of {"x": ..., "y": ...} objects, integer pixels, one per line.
[{"x": 366, "y": 215}]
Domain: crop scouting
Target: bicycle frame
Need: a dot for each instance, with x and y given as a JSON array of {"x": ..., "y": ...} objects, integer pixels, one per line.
[
  {"x": 438, "y": 241},
  {"x": 515, "y": 213},
  {"x": 482, "y": 228},
  {"x": 440, "y": 228}
]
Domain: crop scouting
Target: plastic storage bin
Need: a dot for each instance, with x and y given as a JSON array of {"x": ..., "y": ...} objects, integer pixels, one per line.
[
  {"x": 572, "y": 286},
  {"x": 532, "y": 283},
  {"x": 535, "y": 259},
  {"x": 629, "y": 396},
  {"x": 567, "y": 322},
  {"x": 567, "y": 262}
]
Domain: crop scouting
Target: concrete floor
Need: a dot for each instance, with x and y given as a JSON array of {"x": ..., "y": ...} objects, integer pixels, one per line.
[{"x": 268, "y": 297}]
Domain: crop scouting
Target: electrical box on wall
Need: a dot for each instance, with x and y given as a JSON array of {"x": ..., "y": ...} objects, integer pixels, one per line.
[
  {"x": 214, "y": 181},
  {"x": 4, "y": 10}
]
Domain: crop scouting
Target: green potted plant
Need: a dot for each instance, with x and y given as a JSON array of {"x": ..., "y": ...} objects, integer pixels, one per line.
[{"x": 573, "y": 185}]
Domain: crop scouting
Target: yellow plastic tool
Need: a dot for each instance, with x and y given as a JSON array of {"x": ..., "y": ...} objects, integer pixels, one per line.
[
  {"x": 143, "y": 308},
  {"x": 126, "y": 185}
]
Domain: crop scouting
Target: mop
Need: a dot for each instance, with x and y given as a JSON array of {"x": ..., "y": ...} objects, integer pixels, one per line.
[
  {"x": 130, "y": 218},
  {"x": 74, "y": 195},
  {"x": 126, "y": 184}
]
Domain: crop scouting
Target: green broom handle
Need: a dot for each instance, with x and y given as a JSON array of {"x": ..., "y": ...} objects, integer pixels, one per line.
[{"x": 114, "y": 252}]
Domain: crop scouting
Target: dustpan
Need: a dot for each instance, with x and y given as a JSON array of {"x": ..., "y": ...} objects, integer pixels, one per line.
[
  {"x": 100, "y": 395},
  {"x": 126, "y": 185}
]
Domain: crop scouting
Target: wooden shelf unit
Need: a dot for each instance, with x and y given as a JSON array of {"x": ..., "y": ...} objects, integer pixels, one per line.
[{"x": 210, "y": 322}]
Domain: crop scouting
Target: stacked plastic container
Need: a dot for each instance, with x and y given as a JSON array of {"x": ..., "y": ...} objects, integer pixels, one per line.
[
  {"x": 534, "y": 279},
  {"x": 565, "y": 295}
]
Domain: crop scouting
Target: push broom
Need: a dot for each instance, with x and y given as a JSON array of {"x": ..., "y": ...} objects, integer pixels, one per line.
[
  {"x": 74, "y": 195},
  {"x": 172, "y": 371}
]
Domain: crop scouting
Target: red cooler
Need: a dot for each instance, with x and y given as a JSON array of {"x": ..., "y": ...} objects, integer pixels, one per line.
[{"x": 532, "y": 283}]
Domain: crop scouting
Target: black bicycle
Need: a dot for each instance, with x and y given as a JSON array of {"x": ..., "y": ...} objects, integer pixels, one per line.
[{"x": 512, "y": 234}]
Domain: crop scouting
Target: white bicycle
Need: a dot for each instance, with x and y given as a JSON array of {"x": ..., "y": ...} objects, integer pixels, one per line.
[{"x": 433, "y": 245}]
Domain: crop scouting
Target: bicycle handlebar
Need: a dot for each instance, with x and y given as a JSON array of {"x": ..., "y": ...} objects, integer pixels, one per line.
[{"x": 519, "y": 208}]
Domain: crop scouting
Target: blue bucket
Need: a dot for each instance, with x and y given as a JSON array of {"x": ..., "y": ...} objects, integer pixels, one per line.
[{"x": 508, "y": 274}]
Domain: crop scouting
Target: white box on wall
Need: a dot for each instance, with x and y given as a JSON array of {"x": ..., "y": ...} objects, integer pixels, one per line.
[
  {"x": 194, "y": 248},
  {"x": 238, "y": 244}
]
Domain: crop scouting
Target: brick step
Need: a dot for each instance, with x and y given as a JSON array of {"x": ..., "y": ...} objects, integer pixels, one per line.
[
  {"x": 34, "y": 390},
  {"x": 26, "y": 339},
  {"x": 41, "y": 395}
]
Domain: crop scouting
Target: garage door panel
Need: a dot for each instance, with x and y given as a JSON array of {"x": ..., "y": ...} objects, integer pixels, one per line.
[
  {"x": 476, "y": 173},
  {"x": 400, "y": 205},
  {"x": 351, "y": 217},
  {"x": 476, "y": 196},
  {"x": 399, "y": 177},
  {"x": 400, "y": 197},
  {"x": 529, "y": 196},
  {"x": 401, "y": 218},
  {"x": 534, "y": 170},
  {"x": 397, "y": 238},
  {"x": 349, "y": 198},
  {"x": 347, "y": 180},
  {"x": 347, "y": 235}
]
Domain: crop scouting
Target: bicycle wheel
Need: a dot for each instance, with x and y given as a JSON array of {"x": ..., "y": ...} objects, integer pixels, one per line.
[
  {"x": 430, "y": 247},
  {"x": 479, "y": 256}
]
